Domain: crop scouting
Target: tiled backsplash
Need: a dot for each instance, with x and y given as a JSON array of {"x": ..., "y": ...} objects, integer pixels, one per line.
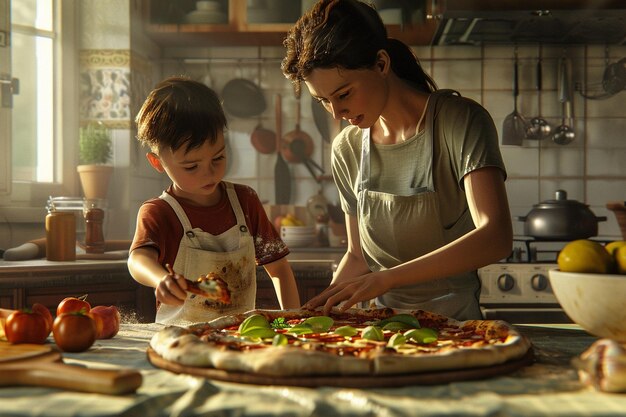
[{"x": 591, "y": 168}]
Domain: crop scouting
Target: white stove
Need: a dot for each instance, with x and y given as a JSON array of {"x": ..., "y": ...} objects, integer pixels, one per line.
[
  {"x": 519, "y": 293},
  {"x": 508, "y": 283},
  {"x": 518, "y": 289}
]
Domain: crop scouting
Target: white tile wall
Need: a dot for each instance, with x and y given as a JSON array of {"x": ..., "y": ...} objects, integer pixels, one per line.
[{"x": 592, "y": 169}]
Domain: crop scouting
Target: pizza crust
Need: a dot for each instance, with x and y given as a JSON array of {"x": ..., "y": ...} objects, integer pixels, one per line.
[
  {"x": 181, "y": 345},
  {"x": 462, "y": 358}
]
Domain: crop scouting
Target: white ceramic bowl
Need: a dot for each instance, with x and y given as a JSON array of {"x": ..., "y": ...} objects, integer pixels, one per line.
[
  {"x": 596, "y": 302},
  {"x": 298, "y": 236},
  {"x": 296, "y": 242}
]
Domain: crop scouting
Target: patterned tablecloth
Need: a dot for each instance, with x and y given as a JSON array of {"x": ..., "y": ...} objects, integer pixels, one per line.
[{"x": 549, "y": 387}]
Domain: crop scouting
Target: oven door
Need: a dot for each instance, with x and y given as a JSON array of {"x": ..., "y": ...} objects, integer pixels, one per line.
[{"x": 521, "y": 314}]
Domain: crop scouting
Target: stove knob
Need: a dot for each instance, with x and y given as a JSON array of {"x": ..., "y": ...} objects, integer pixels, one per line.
[
  {"x": 539, "y": 282},
  {"x": 506, "y": 282}
]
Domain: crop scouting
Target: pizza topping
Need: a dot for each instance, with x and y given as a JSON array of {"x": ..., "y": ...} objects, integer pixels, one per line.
[
  {"x": 319, "y": 324},
  {"x": 256, "y": 326},
  {"x": 317, "y": 333},
  {"x": 346, "y": 336},
  {"x": 280, "y": 340},
  {"x": 373, "y": 333},
  {"x": 408, "y": 320},
  {"x": 396, "y": 340},
  {"x": 423, "y": 335},
  {"x": 279, "y": 323},
  {"x": 396, "y": 326},
  {"x": 346, "y": 331},
  {"x": 259, "y": 332},
  {"x": 312, "y": 325}
]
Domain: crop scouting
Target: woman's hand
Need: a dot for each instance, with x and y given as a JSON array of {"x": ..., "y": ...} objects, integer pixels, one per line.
[
  {"x": 351, "y": 291},
  {"x": 171, "y": 289}
]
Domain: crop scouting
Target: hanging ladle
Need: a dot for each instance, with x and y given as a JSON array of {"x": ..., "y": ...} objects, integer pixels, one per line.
[
  {"x": 514, "y": 126},
  {"x": 539, "y": 127},
  {"x": 564, "y": 134}
]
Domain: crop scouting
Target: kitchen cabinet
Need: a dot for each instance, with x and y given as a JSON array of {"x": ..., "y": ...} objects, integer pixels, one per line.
[
  {"x": 508, "y": 22},
  {"x": 171, "y": 23},
  {"x": 104, "y": 282},
  {"x": 311, "y": 279}
]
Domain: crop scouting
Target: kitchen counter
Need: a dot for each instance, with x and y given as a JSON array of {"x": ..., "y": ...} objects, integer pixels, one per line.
[
  {"x": 23, "y": 283},
  {"x": 34, "y": 266},
  {"x": 549, "y": 387},
  {"x": 105, "y": 282}
]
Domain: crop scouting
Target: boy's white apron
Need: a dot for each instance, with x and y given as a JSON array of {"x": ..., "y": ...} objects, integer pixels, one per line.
[
  {"x": 230, "y": 254},
  {"x": 398, "y": 228}
]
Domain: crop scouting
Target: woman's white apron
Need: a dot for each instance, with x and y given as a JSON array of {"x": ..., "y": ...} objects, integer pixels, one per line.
[{"x": 398, "y": 228}]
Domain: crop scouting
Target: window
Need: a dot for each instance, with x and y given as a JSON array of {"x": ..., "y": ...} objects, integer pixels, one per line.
[
  {"x": 32, "y": 59},
  {"x": 43, "y": 116}
]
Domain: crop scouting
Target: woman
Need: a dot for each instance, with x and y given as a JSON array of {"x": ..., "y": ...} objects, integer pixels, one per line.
[{"x": 419, "y": 171}]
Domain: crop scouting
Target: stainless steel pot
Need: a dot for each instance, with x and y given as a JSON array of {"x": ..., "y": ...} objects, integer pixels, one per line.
[{"x": 561, "y": 219}]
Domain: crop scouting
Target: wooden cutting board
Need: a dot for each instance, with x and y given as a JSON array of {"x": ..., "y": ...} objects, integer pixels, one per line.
[
  {"x": 42, "y": 365},
  {"x": 347, "y": 381}
]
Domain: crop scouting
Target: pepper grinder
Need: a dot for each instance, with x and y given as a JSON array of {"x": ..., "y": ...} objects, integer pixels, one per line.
[
  {"x": 94, "y": 235},
  {"x": 321, "y": 230}
]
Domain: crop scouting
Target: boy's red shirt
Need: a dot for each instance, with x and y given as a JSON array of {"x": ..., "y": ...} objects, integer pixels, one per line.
[{"x": 159, "y": 227}]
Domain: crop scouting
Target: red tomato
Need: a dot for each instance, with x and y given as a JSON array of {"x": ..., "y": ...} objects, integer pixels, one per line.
[
  {"x": 71, "y": 304},
  {"x": 99, "y": 322},
  {"x": 45, "y": 312},
  {"x": 25, "y": 326},
  {"x": 109, "y": 317},
  {"x": 74, "y": 332}
]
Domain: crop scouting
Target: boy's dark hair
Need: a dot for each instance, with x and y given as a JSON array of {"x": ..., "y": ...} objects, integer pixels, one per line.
[
  {"x": 346, "y": 34},
  {"x": 180, "y": 112}
]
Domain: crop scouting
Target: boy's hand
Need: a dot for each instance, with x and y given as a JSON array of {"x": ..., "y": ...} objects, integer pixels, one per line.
[{"x": 172, "y": 288}]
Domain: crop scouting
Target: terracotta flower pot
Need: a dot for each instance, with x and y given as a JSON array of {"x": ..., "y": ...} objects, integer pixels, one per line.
[{"x": 95, "y": 180}]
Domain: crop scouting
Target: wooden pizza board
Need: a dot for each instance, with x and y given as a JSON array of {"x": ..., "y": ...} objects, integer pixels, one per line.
[
  {"x": 42, "y": 365},
  {"x": 347, "y": 381}
]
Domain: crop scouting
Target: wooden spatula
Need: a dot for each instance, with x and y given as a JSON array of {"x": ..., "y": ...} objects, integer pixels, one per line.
[{"x": 41, "y": 365}]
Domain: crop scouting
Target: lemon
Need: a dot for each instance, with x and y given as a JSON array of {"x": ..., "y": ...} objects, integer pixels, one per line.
[
  {"x": 291, "y": 220},
  {"x": 620, "y": 259},
  {"x": 287, "y": 222},
  {"x": 585, "y": 256},
  {"x": 611, "y": 247}
]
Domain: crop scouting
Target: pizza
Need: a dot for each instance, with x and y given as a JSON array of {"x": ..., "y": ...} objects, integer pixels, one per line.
[
  {"x": 287, "y": 343},
  {"x": 210, "y": 286}
]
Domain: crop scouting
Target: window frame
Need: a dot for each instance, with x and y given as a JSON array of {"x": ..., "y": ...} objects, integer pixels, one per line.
[{"x": 66, "y": 114}]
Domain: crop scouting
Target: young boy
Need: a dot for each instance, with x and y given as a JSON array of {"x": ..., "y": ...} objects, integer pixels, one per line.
[{"x": 200, "y": 224}]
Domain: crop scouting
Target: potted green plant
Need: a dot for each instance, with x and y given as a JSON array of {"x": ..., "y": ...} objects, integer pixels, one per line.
[{"x": 95, "y": 149}]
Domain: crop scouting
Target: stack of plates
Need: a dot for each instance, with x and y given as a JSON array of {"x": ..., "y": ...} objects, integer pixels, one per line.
[{"x": 298, "y": 236}]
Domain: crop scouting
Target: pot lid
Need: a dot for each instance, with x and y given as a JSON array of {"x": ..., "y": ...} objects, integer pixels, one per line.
[{"x": 560, "y": 200}]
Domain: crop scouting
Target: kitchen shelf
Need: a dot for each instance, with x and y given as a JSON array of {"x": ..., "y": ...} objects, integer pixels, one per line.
[{"x": 166, "y": 27}]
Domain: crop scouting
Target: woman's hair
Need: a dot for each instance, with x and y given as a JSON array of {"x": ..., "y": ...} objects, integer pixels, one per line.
[
  {"x": 346, "y": 34},
  {"x": 180, "y": 112}
]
